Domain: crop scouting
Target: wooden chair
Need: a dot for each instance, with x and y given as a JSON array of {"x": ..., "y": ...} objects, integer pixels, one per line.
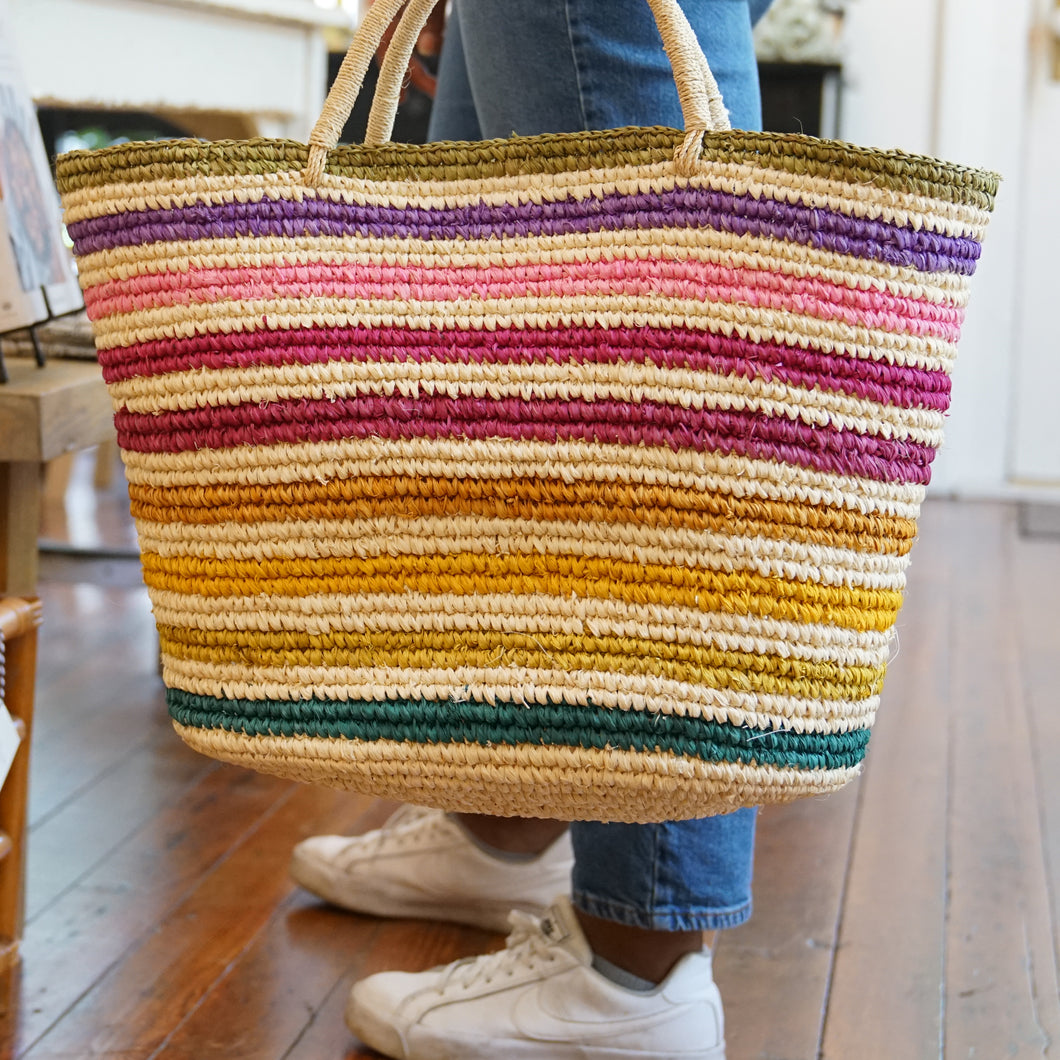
[{"x": 19, "y": 620}]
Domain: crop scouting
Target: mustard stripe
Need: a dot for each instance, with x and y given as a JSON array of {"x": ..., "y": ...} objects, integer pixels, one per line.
[
  {"x": 209, "y": 510},
  {"x": 337, "y": 380},
  {"x": 552, "y": 501},
  {"x": 660, "y": 694},
  {"x": 451, "y": 650},
  {"x": 665, "y": 546},
  {"x": 572, "y": 461}
]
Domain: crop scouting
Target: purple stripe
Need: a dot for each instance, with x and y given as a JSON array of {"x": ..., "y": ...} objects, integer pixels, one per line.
[
  {"x": 880, "y": 381},
  {"x": 678, "y": 208},
  {"x": 729, "y": 431}
]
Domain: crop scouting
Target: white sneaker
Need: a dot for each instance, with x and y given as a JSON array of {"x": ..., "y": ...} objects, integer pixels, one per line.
[
  {"x": 422, "y": 863},
  {"x": 539, "y": 998}
]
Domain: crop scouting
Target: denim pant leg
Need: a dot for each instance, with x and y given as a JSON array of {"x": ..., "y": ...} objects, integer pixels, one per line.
[
  {"x": 538, "y": 66},
  {"x": 675, "y": 876},
  {"x": 535, "y": 66}
]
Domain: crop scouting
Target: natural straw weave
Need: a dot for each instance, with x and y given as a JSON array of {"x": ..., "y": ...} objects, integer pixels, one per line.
[{"x": 569, "y": 476}]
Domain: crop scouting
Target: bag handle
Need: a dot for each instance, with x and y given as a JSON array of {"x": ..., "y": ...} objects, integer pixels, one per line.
[
  {"x": 701, "y": 102},
  {"x": 347, "y": 86}
]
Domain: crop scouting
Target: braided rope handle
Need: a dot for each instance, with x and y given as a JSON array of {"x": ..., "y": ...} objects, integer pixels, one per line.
[
  {"x": 701, "y": 102},
  {"x": 347, "y": 86}
]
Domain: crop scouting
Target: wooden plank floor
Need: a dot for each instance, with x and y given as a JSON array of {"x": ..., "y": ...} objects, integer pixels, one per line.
[{"x": 916, "y": 914}]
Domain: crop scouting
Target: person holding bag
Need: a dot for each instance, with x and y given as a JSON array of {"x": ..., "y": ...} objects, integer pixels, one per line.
[
  {"x": 620, "y": 968},
  {"x": 561, "y": 476}
]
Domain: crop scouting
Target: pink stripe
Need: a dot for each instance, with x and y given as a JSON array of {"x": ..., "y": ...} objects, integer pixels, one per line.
[{"x": 694, "y": 280}]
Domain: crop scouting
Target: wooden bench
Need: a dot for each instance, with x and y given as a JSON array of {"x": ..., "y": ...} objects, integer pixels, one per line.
[{"x": 44, "y": 413}]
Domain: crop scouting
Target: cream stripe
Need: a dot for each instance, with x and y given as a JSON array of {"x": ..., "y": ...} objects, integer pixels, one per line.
[
  {"x": 434, "y": 536},
  {"x": 513, "y": 684},
  {"x": 706, "y": 472},
  {"x": 530, "y": 614},
  {"x": 859, "y": 200},
  {"x": 600, "y": 310},
  {"x": 527, "y": 780},
  {"x": 635, "y": 383},
  {"x": 740, "y": 252}
]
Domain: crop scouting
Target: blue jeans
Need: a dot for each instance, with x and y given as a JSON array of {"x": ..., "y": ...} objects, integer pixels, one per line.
[{"x": 536, "y": 66}]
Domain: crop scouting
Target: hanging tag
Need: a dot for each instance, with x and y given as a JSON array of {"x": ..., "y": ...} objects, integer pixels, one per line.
[{"x": 9, "y": 741}]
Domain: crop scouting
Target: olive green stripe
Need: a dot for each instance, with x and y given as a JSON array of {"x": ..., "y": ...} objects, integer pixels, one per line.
[
  {"x": 431, "y": 722},
  {"x": 524, "y": 156}
]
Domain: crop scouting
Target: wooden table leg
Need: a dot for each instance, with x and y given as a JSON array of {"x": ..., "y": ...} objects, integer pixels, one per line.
[
  {"x": 18, "y": 622},
  {"x": 20, "y": 501}
]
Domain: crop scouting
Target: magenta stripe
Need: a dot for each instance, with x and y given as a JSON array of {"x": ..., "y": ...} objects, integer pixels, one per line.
[
  {"x": 689, "y": 349},
  {"x": 645, "y": 423}
]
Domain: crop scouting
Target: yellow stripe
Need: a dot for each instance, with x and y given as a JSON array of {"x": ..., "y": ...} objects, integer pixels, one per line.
[
  {"x": 661, "y": 545},
  {"x": 740, "y": 592}
]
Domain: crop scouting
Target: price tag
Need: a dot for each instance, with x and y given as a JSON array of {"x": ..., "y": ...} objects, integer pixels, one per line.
[{"x": 9, "y": 741}]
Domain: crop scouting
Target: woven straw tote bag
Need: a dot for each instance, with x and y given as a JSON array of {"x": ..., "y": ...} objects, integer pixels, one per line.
[{"x": 571, "y": 476}]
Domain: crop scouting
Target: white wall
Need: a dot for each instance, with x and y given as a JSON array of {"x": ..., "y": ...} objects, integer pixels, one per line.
[
  {"x": 1036, "y": 436},
  {"x": 263, "y": 58},
  {"x": 951, "y": 79}
]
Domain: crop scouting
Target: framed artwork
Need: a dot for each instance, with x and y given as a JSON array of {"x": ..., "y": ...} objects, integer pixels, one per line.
[{"x": 37, "y": 278}]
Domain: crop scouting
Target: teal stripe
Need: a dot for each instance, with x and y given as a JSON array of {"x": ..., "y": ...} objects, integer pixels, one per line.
[{"x": 434, "y": 721}]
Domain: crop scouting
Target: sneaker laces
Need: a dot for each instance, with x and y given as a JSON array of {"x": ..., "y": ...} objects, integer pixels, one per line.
[
  {"x": 524, "y": 947},
  {"x": 392, "y": 832}
]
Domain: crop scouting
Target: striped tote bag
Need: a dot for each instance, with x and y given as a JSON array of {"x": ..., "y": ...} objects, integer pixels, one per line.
[{"x": 570, "y": 476}]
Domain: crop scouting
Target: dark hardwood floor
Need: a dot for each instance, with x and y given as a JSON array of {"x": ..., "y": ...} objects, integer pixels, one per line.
[{"x": 913, "y": 915}]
